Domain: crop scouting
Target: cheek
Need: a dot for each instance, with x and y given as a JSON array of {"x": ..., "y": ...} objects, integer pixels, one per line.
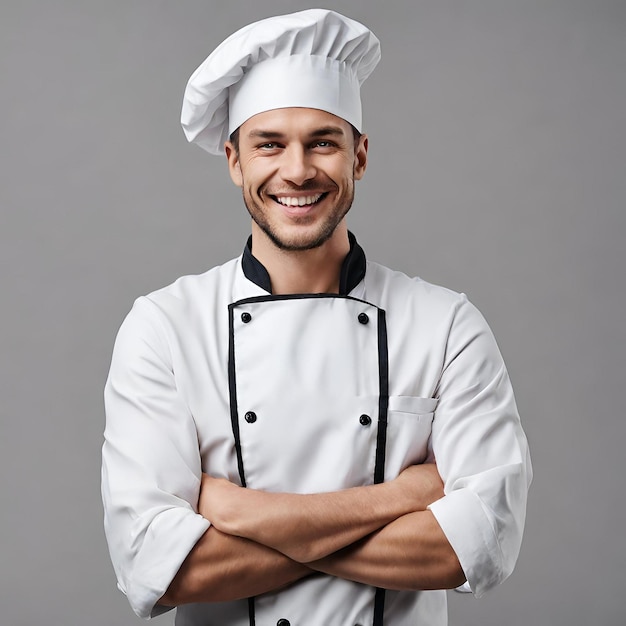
[
  {"x": 343, "y": 172},
  {"x": 257, "y": 176}
]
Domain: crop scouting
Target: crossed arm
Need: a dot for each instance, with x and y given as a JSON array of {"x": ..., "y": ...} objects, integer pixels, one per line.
[{"x": 380, "y": 535}]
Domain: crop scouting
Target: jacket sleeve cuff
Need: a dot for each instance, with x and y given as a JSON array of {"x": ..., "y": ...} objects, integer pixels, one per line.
[
  {"x": 466, "y": 524},
  {"x": 168, "y": 541}
]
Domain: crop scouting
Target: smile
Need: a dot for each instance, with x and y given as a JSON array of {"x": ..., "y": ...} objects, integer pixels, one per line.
[{"x": 299, "y": 201}]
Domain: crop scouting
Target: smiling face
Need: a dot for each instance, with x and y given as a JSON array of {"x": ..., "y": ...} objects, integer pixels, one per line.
[{"x": 296, "y": 168}]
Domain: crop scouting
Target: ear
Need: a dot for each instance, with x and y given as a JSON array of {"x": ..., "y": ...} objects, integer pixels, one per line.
[
  {"x": 360, "y": 157},
  {"x": 234, "y": 168}
]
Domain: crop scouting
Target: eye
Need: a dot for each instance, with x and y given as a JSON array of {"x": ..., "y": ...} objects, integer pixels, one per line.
[
  {"x": 324, "y": 144},
  {"x": 270, "y": 145}
]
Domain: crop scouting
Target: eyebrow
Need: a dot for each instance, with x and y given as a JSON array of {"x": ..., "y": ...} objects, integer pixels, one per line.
[{"x": 325, "y": 131}]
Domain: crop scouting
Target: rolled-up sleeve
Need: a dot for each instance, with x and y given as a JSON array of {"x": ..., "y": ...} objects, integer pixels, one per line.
[
  {"x": 150, "y": 464},
  {"x": 481, "y": 453}
]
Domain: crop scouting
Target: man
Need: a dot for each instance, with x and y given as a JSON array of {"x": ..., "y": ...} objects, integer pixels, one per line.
[{"x": 276, "y": 427}]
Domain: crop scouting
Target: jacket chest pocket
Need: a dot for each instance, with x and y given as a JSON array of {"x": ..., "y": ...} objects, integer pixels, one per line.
[{"x": 409, "y": 427}]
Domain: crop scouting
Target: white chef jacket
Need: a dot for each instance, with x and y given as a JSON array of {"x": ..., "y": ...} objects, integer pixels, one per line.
[{"x": 304, "y": 394}]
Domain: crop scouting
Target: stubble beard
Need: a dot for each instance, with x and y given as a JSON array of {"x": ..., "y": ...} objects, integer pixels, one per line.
[{"x": 308, "y": 240}]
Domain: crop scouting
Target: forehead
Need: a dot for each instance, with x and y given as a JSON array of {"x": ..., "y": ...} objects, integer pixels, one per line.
[{"x": 294, "y": 121}]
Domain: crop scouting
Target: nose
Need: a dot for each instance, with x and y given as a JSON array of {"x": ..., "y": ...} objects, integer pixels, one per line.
[{"x": 297, "y": 165}]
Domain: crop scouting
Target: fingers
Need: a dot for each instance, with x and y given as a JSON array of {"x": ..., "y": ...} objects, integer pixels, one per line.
[{"x": 424, "y": 484}]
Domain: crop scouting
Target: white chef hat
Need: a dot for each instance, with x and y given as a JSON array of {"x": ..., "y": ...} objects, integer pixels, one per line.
[{"x": 316, "y": 59}]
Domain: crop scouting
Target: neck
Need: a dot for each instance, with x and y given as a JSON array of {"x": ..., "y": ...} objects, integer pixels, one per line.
[{"x": 303, "y": 271}]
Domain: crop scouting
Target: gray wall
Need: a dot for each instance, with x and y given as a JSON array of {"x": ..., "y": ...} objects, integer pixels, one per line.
[{"x": 498, "y": 154}]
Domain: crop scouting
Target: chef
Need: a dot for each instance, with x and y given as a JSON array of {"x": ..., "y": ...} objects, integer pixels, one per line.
[{"x": 302, "y": 436}]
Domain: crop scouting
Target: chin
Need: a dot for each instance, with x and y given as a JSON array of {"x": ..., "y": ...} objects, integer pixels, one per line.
[{"x": 300, "y": 241}]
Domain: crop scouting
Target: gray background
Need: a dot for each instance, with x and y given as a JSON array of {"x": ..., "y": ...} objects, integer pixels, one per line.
[{"x": 498, "y": 154}]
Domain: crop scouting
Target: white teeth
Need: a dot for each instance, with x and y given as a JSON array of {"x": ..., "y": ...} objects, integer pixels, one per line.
[{"x": 301, "y": 201}]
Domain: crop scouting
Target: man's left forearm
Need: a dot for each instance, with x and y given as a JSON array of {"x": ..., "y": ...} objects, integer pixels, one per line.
[{"x": 410, "y": 552}]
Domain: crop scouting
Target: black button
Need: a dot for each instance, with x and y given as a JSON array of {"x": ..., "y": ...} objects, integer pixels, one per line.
[
  {"x": 250, "y": 417},
  {"x": 364, "y": 318},
  {"x": 283, "y": 622},
  {"x": 246, "y": 317},
  {"x": 365, "y": 420}
]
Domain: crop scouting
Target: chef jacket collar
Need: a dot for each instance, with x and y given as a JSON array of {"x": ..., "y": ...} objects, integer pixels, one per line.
[{"x": 352, "y": 268}]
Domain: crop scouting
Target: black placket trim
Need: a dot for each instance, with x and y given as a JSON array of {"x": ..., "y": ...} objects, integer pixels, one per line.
[
  {"x": 352, "y": 269},
  {"x": 383, "y": 398},
  {"x": 381, "y": 437},
  {"x": 232, "y": 393},
  {"x": 251, "y": 615},
  {"x": 234, "y": 420}
]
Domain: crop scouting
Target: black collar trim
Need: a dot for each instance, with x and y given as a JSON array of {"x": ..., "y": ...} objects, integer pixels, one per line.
[{"x": 352, "y": 268}]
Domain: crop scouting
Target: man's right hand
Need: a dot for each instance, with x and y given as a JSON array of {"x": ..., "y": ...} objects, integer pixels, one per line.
[{"x": 423, "y": 483}]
